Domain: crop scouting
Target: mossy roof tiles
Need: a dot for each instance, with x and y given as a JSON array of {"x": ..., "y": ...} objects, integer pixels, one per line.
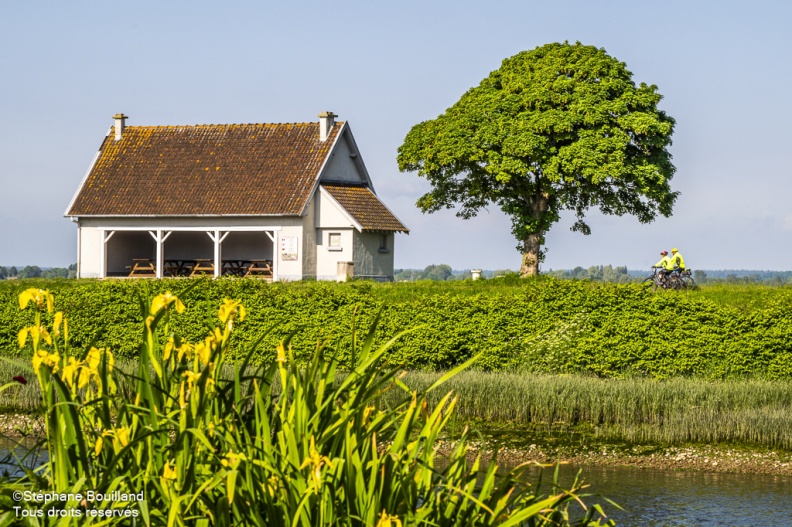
[
  {"x": 365, "y": 208},
  {"x": 237, "y": 169}
]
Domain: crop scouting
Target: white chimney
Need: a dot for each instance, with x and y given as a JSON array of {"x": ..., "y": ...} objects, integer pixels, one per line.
[
  {"x": 120, "y": 123},
  {"x": 326, "y": 122}
]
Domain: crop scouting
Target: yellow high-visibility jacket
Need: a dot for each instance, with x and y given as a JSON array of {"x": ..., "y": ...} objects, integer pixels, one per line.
[
  {"x": 677, "y": 260},
  {"x": 666, "y": 263}
]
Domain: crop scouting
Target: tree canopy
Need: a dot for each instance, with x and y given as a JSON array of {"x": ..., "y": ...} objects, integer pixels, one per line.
[{"x": 561, "y": 127}]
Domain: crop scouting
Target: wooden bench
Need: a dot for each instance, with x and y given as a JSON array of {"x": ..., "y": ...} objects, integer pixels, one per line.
[
  {"x": 262, "y": 268},
  {"x": 234, "y": 267},
  {"x": 143, "y": 267},
  {"x": 202, "y": 266}
]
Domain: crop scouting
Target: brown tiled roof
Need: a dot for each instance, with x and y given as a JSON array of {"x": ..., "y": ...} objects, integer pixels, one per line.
[
  {"x": 365, "y": 208},
  {"x": 235, "y": 169}
]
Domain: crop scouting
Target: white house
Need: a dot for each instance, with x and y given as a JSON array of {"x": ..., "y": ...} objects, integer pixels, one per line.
[{"x": 283, "y": 201}]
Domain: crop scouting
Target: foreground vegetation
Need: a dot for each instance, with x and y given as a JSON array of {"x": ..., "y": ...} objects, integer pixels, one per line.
[
  {"x": 289, "y": 444},
  {"x": 543, "y": 325}
]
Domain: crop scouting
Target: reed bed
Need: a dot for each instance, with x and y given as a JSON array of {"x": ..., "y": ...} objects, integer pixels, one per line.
[{"x": 671, "y": 411}]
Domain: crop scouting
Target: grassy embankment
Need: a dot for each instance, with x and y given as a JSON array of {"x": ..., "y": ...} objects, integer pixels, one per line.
[{"x": 568, "y": 360}]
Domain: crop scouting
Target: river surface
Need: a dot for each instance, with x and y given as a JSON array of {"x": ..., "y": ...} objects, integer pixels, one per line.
[
  {"x": 656, "y": 497},
  {"x": 670, "y": 498}
]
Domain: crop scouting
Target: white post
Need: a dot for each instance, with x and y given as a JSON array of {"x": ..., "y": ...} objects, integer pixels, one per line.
[
  {"x": 219, "y": 252},
  {"x": 274, "y": 236},
  {"x": 217, "y": 262},
  {"x": 159, "y": 265},
  {"x": 103, "y": 255},
  {"x": 159, "y": 239},
  {"x": 79, "y": 250}
]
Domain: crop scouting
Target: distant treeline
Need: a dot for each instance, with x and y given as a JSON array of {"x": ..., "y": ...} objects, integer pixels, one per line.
[
  {"x": 600, "y": 273},
  {"x": 621, "y": 275},
  {"x": 438, "y": 273},
  {"x": 444, "y": 272},
  {"x": 34, "y": 271}
]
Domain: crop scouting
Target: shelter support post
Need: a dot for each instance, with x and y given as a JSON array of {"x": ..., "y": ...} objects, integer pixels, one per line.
[
  {"x": 274, "y": 236},
  {"x": 218, "y": 250},
  {"x": 160, "y": 238},
  {"x": 106, "y": 235}
]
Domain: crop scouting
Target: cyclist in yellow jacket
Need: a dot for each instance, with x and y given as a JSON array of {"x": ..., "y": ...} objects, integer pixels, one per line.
[
  {"x": 677, "y": 260},
  {"x": 666, "y": 265}
]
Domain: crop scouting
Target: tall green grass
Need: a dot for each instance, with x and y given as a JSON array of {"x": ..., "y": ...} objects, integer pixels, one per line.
[
  {"x": 746, "y": 298},
  {"x": 288, "y": 444},
  {"x": 674, "y": 411},
  {"x": 671, "y": 411}
]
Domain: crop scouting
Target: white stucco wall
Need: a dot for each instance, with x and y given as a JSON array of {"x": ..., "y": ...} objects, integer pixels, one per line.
[
  {"x": 342, "y": 167},
  {"x": 326, "y": 258},
  {"x": 369, "y": 261},
  {"x": 90, "y": 252},
  {"x": 328, "y": 214},
  {"x": 331, "y": 218}
]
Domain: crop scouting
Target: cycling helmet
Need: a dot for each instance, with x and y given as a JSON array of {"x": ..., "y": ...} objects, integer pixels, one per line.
[
  {"x": 663, "y": 253},
  {"x": 674, "y": 250}
]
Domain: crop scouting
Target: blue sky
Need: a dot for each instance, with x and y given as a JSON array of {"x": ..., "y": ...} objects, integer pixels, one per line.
[{"x": 723, "y": 68}]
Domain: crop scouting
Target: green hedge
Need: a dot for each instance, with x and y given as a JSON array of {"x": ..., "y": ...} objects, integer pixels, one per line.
[{"x": 542, "y": 325}]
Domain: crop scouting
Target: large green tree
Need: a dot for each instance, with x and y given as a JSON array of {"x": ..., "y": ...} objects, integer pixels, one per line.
[{"x": 561, "y": 127}]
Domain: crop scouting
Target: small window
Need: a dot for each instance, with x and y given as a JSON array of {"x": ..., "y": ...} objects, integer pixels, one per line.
[
  {"x": 383, "y": 244},
  {"x": 334, "y": 241}
]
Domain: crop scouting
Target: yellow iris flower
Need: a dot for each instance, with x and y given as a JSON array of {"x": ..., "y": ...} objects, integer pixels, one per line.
[
  {"x": 165, "y": 300},
  {"x": 231, "y": 309},
  {"x": 388, "y": 520},
  {"x": 41, "y": 299}
]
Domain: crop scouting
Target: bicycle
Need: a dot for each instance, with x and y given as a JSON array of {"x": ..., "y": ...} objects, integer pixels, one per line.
[{"x": 670, "y": 280}]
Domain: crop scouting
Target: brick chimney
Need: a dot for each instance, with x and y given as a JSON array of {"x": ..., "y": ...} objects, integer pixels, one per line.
[
  {"x": 326, "y": 122},
  {"x": 120, "y": 123}
]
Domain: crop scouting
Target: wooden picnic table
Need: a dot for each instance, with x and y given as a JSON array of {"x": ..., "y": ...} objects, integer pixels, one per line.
[
  {"x": 177, "y": 267},
  {"x": 202, "y": 266},
  {"x": 234, "y": 267},
  {"x": 143, "y": 267},
  {"x": 259, "y": 268}
]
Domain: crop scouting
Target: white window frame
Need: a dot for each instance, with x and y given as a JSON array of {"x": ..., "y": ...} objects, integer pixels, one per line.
[{"x": 337, "y": 247}]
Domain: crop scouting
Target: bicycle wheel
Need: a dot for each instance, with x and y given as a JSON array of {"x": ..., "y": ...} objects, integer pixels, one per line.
[
  {"x": 674, "y": 282},
  {"x": 650, "y": 283},
  {"x": 688, "y": 282}
]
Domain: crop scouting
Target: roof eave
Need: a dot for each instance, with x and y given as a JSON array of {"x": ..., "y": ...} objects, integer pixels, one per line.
[
  {"x": 82, "y": 184},
  {"x": 296, "y": 215}
]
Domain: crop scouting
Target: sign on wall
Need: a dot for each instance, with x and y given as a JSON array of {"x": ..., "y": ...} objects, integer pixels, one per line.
[{"x": 288, "y": 248}]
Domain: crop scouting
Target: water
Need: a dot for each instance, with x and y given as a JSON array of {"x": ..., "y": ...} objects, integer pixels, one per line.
[
  {"x": 653, "y": 497},
  {"x": 16, "y": 457},
  {"x": 668, "y": 498}
]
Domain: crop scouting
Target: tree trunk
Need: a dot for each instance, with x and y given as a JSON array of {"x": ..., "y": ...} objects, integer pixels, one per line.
[
  {"x": 533, "y": 241},
  {"x": 532, "y": 245}
]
